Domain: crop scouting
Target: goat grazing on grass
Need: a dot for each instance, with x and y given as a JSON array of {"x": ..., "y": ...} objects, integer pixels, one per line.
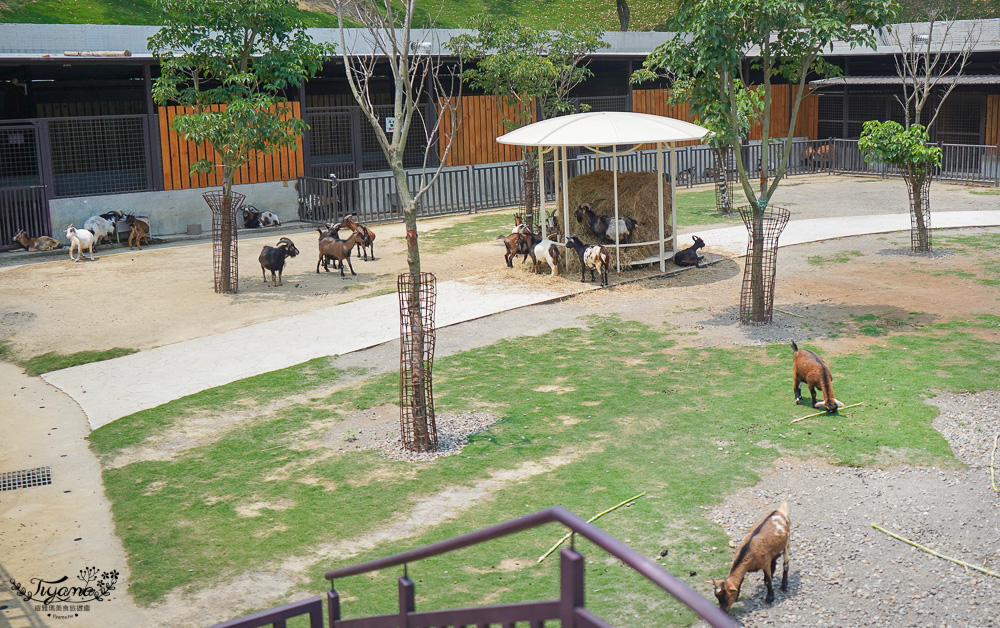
[
  {"x": 367, "y": 236},
  {"x": 604, "y": 228},
  {"x": 758, "y": 551},
  {"x": 272, "y": 258},
  {"x": 81, "y": 240},
  {"x": 592, "y": 256},
  {"x": 338, "y": 251},
  {"x": 41, "y": 243},
  {"x": 812, "y": 370},
  {"x": 548, "y": 251},
  {"x": 689, "y": 256},
  {"x": 140, "y": 231}
]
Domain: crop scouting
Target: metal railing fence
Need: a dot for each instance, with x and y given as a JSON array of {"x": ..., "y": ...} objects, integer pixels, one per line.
[{"x": 475, "y": 188}]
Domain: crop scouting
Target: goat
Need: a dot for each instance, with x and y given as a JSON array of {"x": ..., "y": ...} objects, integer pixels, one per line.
[
  {"x": 41, "y": 243},
  {"x": 272, "y": 258},
  {"x": 683, "y": 176},
  {"x": 80, "y": 239},
  {"x": 604, "y": 228},
  {"x": 519, "y": 226},
  {"x": 367, "y": 236},
  {"x": 592, "y": 256},
  {"x": 269, "y": 219},
  {"x": 251, "y": 217},
  {"x": 115, "y": 217},
  {"x": 811, "y": 369},
  {"x": 689, "y": 256},
  {"x": 758, "y": 551},
  {"x": 816, "y": 156},
  {"x": 337, "y": 250},
  {"x": 546, "y": 250},
  {"x": 519, "y": 243},
  {"x": 551, "y": 225},
  {"x": 140, "y": 230},
  {"x": 102, "y": 228}
]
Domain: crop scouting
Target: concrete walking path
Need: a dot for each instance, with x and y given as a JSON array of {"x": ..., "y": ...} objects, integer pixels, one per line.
[{"x": 170, "y": 372}]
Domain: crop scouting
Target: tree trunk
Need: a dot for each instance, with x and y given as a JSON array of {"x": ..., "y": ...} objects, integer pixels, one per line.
[
  {"x": 918, "y": 186},
  {"x": 759, "y": 309},
  {"x": 624, "y": 14},
  {"x": 226, "y": 241},
  {"x": 422, "y": 440}
]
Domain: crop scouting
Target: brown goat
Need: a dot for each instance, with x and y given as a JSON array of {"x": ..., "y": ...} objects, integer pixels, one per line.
[
  {"x": 367, "y": 236},
  {"x": 758, "y": 551},
  {"x": 812, "y": 370},
  {"x": 337, "y": 250},
  {"x": 140, "y": 231},
  {"x": 518, "y": 243},
  {"x": 41, "y": 243}
]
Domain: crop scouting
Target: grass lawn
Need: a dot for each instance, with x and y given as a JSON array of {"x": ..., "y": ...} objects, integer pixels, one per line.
[{"x": 669, "y": 425}]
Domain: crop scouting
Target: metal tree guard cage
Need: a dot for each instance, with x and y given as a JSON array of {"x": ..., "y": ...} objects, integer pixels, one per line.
[
  {"x": 227, "y": 275},
  {"x": 919, "y": 189},
  {"x": 757, "y": 295},
  {"x": 417, "y": 303},
  {"x": 529, "y": 198}
]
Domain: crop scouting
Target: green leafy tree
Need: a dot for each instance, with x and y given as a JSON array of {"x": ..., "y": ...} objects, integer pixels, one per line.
[
  {"x": 906, "y": 148},
  {"x": 786, "y": 38},
  {"x": 418, "y": 76},
  {"x": 527, "y": 68},
  {"x": 231, "y": 62}
]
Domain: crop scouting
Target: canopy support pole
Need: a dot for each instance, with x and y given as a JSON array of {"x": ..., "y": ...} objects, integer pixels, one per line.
[
  {"x": 541, "y": 189},
  {"x": 565, "y": 187},
  {"x": 659, "y": 199},
  {"x": 673, "y": 195},
  {"x": 618, "y": 254}
]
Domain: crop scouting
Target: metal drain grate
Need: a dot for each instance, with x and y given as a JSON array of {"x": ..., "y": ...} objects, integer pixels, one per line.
[{"x": 25, "y": 478}]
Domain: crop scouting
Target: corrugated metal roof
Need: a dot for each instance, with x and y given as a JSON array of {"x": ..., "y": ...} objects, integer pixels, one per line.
[
  {"x": 34, "y": 41},
  {"x": 974, "y": 79}
]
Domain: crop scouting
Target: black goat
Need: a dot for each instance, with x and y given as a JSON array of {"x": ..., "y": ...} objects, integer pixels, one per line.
[
  {"x": 251, "y": 217},
  {"x": 604, "y": 228},
  {"x": 592, "y": 256},
  {"x": 689, "y": 256},
  {"x": 272, "y": 258}
]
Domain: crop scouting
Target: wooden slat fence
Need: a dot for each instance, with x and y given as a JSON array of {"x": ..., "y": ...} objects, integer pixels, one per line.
[
  {"x": 480, "y": 122},
  {"x": 178, "y": 154}
]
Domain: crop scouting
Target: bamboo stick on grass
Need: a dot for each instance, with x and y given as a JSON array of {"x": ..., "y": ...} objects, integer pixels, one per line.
[
  {"x": 591, "y": 520},
  {"x": 809, "y": 416},
  {"x": 993, "y": 455},
  {"x": 933, "y": 553}
]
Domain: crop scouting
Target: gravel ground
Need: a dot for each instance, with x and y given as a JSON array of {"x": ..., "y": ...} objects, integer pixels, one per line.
[{"x": 846, "y": 573}]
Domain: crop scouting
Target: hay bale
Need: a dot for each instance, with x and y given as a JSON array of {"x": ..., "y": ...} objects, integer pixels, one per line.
[{"x": 636, "y": 200}]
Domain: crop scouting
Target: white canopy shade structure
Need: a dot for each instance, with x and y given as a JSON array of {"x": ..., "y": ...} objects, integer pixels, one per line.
[{"x": 608, "y": 128}]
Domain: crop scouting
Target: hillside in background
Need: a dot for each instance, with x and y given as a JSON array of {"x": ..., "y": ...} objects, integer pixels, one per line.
[{"x": 551, "y": 14}]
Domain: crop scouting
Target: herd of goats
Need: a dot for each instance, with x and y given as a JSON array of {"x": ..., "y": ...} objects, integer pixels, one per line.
[{"x": 767, "y": 540}]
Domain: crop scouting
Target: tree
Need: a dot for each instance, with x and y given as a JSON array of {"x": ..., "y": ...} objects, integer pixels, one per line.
[
  {"x": 907, "y": 149},
  {"x": 929, "y": 63},
  {"x": 231, "y": 62},
  {"x": 417, "y": 74},
  {"x": 624, "y": 14},
  {"x": 787, "y": 38},
  {"x": 527, "y": 68}
]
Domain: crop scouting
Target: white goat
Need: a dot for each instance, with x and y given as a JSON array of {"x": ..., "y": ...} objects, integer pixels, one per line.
[
  {"x": 80, "y": 239},
  {"x": 101, "y": 227},
  {"x": 548, "y": 251},
  {"x": 269, "y": 219}
]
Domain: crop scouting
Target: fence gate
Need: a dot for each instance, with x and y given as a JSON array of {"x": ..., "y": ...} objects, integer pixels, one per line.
[{"x": 23, "y": 202}]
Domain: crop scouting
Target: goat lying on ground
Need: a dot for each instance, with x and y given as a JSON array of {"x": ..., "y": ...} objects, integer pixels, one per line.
[
  {"x": 758, "y": 551},
  {"x": 41, "y": 243},
  {"x": 80, "y": 239},
  {"x": 251, "y": 217},
  {"x": 592, "y": 256},
  {"x": 269, "y": 219},
  {"x": 337, "y": 250},
  {"x": 272, "y": 258},
  {"x": 140, "y": 231},
  {"x": 548, "y": 251},
  {"x": 367, "y": 236},
  {"x": 604, "y": 228},
  {"x": 816, "y": 156},
  {"x": 689, "y": 256},
  {"x": 812, "y": 370}
]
